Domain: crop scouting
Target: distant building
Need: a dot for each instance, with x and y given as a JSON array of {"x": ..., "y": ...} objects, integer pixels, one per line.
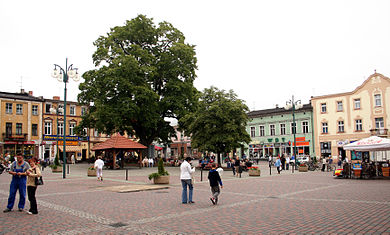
[
  {"x": 271, "y": 132},
  {"x": 346, "y": 117},
  {"x": 20, "y": 123}
]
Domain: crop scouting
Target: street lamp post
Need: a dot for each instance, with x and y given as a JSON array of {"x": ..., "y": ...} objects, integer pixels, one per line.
[
  {"x": 63, "y": 75},
  {"x": 294, "y": 105}
]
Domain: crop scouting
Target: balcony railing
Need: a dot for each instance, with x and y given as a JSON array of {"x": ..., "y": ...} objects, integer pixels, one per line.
[
  {"x": 14, "y": 137},
  {"x": 379, "y": 132}
]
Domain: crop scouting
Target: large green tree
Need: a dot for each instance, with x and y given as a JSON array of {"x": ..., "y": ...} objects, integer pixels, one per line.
[
  {"x": 218, "y": 124},
  {"x": 144, "y": 74}
]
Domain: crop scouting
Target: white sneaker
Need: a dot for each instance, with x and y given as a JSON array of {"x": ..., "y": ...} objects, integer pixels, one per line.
[{"x": 28, "y": 212}]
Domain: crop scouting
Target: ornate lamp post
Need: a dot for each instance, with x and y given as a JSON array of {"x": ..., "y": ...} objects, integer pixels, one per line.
[
  {"x": 294, "y": 105},
  {"x": 63, "y": 75}
]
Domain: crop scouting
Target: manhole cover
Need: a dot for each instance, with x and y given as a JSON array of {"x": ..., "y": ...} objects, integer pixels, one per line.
[{"x": 117, "y": 225}]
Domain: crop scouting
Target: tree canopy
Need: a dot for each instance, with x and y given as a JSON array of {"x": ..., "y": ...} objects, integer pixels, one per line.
[
  {"x": 144, "y": 74},
  {"x": 218, "y": 124}
]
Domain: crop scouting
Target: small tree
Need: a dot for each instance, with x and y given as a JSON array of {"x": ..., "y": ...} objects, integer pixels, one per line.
[{"x": 160, "y": 172}]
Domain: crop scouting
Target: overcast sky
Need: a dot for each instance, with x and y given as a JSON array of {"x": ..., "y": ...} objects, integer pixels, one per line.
[{"x": 266, "y": 51}]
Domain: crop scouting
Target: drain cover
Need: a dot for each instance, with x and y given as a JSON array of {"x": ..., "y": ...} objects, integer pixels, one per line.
[
  {"x": 161, "y": 192},
  {"x": 117, "y": 225},
  {"x": 273, "y": 197}
]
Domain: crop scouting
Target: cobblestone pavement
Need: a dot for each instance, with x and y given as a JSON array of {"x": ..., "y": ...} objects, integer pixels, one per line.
[{"x": 289, "y": 203}]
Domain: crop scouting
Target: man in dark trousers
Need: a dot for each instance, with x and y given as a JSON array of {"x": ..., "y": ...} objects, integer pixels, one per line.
[{"x": 215, "y": 181}]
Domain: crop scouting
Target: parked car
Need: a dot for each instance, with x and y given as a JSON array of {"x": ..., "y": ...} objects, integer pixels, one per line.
[{"x": 303, "y": 159}]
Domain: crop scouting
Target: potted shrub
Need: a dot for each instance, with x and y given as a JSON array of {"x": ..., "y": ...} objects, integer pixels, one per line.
[
  {"x": 254, "y": 171},
  {"x": 56, "y": 167},
  {"x": 303, "y": 167},
  {"x": 162, "y": 176},
  {"x": 91, "y": 171}
]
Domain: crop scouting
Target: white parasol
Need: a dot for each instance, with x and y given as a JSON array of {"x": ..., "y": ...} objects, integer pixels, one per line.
[{"x": 373, "y": 143}]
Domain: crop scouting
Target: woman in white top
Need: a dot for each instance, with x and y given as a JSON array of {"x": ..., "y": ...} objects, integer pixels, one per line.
[{"x": 186, "y": 171}]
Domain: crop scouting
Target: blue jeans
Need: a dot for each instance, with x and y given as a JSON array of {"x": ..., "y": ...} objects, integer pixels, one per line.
[
  {"x": 17, "y": 184},
  {"x": 184, "y": 183}
]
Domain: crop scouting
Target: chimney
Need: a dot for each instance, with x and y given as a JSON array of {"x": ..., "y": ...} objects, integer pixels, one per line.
[
  {"x": 277, "y": 106},
  {"x": 30, "y": 93},
  {"x": 56, "y": 98},
  {"x": 22, "y": 91}
]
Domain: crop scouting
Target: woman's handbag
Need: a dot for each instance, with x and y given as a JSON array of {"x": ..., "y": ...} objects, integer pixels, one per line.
[{"x": 38, "y": 181}]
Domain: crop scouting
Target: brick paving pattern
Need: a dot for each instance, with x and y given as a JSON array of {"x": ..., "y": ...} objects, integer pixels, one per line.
[{"x": 298, "y": 203}]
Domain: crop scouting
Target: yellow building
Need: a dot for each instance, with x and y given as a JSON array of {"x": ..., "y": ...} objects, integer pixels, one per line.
[
  {"x": 343, "y": 118},
  {"x": 20, "y": 123},
  {"x": 53, "y": 129}
]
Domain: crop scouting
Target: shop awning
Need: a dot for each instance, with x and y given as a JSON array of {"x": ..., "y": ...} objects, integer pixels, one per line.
[{"x": 70, "y": 148}]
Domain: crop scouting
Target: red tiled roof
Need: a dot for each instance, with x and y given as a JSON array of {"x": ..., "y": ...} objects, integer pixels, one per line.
[{"x": 118, "y": 142}]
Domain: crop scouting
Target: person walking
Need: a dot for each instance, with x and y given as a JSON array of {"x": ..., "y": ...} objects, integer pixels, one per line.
[
  {"x": 323, "y": 164},
  {"x": 19, "y": 177},
  {"x": 186, "y": 171},
  {"x": 99, "y": 168},
  {"x": 283, "y": 161},
  {"x": 287, "y": 162},
  {"x": 73, "y": 159},
  {"x": 32, "y": 174},
  {"x": 215, "y": 181},
  {"x": 151, "y": 162},
  {"x": 237, "y": 164},
  {"x": 277, "y": 164}
]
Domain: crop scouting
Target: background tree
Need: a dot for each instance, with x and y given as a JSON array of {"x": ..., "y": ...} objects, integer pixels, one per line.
[
  {"x": 218, "y": 124},
  {"x": 144, "y": 74}
]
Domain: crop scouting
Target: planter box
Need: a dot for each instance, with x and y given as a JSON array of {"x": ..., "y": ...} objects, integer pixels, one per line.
[
  {"x": 357, "y": 172},
  {"x": 57, "y": 170},
  {"x": 303, "y": 168},
  {"x": 161, "y": 180},
  {"x": 91, "y": 172},
  {"x": 386, "y": 171},
  {"x": 254, "y": 172}
]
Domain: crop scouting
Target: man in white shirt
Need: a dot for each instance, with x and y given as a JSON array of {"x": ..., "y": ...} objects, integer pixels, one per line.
[
  {"x": 99, "y": 168},
  {"x": 186, "y": 171},
  {"x": 287, "y": 162}
]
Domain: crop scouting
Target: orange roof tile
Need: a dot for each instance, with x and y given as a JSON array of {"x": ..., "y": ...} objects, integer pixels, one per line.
[{"x": 118, "y": 142}]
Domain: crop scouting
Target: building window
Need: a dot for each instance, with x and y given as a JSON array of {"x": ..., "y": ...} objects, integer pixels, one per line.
[
  {"x": 379, "y": 123},
  {"x": 96, "y": 133},
  {"x": 85, "y": 132},
  {"x": 358, "y": 125},
  {"x": 253, "y": 131},
  {"x": 60, "y": 109},
  {"x": 272, "y": 129},
  {"x": 262, "y": 130},
  {"x": 71, "y": 128},
  {"x": 72, "y": 110},
  {"x": 83, "y": 111},
  {"x": 356, "y": 103},
  {"x": 293, "y": 128},
  {"x": 339, "y": 106},
  {"x": 18, "y": 129},
  {"x": 34, "y": 109},
  {"x": 323, "y": 108},
  {"x": 8, "y": 129},
  {"x": 19, "y": 108},
  {"x": 305, "y": 127},
  {"x": 378, "y": 100},
  {"x": 47, "y": 107},
  {"x": 34, "y": 130},
  {"x": 341, "y": 126},
  {"x": 48, "y": 128},
  {"x": 60, "y": 128},
  {"x": 282, "y": 129},
  {"x": 8, "y": 108},
  {"x": 324, "y": 128}
]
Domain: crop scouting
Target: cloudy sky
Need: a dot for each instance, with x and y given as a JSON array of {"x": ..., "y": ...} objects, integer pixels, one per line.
[{"x": 266, "y": 51}]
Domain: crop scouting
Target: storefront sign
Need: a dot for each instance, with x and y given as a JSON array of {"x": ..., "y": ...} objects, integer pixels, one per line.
[
  {"x": 69, "y": 143},
  {"x": 68, "y": 138}
]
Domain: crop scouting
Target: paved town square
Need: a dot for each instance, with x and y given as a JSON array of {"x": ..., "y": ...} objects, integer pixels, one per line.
[{"x": 289, "y": 203}]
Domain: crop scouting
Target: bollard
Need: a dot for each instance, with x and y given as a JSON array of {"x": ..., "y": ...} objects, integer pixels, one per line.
[
  {"x": 127, "y": 174},
  {"x": 269, "y": 163},
  {"x": 68, "y": 169},
  {"x": 201, "y": 174}
]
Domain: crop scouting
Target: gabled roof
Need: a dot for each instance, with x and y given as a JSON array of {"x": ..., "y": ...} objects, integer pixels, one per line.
[{"x": 118, "y": 142}]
